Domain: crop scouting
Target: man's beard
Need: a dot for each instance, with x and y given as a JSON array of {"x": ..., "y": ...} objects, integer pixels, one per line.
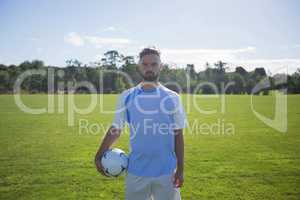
[{"x": 150, "y": 76}]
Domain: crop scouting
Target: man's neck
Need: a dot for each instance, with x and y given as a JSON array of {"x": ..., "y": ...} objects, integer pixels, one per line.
[{"x": 149, "y": 85}]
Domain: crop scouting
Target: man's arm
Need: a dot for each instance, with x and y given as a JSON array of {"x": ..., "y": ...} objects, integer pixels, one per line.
[
  {"x": 180, "y": 124},
  {"x": 110, "y": 137},
  {"x": 179, "y": 151},
  {"x": 113, "y": 132}
]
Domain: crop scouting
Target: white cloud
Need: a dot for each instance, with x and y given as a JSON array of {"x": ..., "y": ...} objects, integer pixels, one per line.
[
  {"x": 110, "y": 28},
  {"x": 200, "y": 56},
  {"x": 296, "y": 46},
  {"x": 114, "y": 29},
  {"x": 289, "y": 47},
  {"x": 98, "y": 42},
  {"x": 104, "y": 41},
  {"x": 285, "y": 65},
  {"x": 210, "y": 51},
  {"x": 233, "y": 57},
  {"x": 74, "y": 39},
  {"x": 34, "y": 39}
]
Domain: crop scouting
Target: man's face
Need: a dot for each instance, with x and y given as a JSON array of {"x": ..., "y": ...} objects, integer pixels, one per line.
[{"x": 149, "y": 67}]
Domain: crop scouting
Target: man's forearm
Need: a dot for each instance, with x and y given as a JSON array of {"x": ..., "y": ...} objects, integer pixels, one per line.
[
  {"x": 110, "y": 137},
  {"x": 179, "y": 149}
]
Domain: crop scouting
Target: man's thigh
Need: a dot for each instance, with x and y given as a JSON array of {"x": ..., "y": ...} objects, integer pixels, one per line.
[
  {"x": 137, "y": 188},
  {"x": 163, "y": 189}
]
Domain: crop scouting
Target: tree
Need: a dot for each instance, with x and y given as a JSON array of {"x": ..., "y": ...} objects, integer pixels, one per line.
[
  {"x": 112, "y": 58},
  {"x": 239, "y": 84},
  {"x": 260, "y": 72},
  {"x": 220, "y": 74},
  {"x": 221, "y": 66},
  {"x": 4, "y": 81},
  {"x": 240, "y": 70},
  {"x": 128, "y": 60},
  {"x": 173, "y": 78},
  {"x": 73, "y": 63}
]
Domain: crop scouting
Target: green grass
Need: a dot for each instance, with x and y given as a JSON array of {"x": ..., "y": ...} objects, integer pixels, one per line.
[{"x": 42, "y": 157}]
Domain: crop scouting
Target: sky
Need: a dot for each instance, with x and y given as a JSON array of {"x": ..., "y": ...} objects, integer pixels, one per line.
[{"x": 256, "y": 33}]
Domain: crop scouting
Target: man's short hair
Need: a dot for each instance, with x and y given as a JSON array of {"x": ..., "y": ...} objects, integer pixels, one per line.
[{"x": 149, "y": 51}]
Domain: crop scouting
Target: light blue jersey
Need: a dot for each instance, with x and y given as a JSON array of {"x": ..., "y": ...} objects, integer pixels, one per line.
[{"x": 152, "y": 116}]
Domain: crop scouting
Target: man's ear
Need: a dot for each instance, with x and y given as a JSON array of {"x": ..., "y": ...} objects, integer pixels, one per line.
[
  {"x": 160, "y": 66},
  {"x": 139, "y": 63}
]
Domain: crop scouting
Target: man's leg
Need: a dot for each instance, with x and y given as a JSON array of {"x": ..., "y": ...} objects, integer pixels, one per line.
[
  {"x": 137, "y": 188},
  {"x": 163, "y": 189}
]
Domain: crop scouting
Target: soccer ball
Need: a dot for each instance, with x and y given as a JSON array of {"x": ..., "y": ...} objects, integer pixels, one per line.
[{"x": 114, "y": 162}]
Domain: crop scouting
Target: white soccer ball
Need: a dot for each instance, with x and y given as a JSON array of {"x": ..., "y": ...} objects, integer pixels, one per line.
[{"x": 114, "y": 162}]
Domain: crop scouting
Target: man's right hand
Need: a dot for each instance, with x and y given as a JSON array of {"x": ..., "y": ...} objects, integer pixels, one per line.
[
  {"x": 110, "y": 137},
  {"x": 99, "y": 165}
]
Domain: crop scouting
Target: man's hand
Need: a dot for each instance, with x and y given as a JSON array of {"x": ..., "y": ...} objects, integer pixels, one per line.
[
  {"x": 99, "y": 165},
  {"x": 178, "y": 178},
  {"x": 110, "y": 137},
  {"x": 179, "y": 150}
]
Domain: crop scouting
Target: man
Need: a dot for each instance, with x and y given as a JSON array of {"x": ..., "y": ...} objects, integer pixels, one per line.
[{"x": 156, "y": 119}]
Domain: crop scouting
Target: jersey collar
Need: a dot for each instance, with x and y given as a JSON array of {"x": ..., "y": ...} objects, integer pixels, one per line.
[{"x": 140, "y": 87}]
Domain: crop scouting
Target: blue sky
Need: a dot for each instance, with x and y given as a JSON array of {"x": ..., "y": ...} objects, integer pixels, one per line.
[{"x": 256, "y": 33}]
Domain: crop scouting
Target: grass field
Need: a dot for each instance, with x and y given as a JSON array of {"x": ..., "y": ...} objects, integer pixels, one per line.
[{"x": 42, "y": 157}]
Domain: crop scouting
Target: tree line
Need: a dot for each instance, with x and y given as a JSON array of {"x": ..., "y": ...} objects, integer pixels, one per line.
[{"x": 113, "y": 68}]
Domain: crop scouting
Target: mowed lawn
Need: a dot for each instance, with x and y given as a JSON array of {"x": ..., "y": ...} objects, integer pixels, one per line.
[{"x": 41, "y": 157}]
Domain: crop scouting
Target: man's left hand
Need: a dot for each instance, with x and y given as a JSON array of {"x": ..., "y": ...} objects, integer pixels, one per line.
[{"x": 178, "y": 179}]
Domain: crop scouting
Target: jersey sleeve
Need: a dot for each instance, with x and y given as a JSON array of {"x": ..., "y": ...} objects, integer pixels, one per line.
[{"x": 179, "y": 115}]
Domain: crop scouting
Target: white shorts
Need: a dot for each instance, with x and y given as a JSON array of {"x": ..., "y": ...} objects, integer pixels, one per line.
[{"x": 147, "y": 188}]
